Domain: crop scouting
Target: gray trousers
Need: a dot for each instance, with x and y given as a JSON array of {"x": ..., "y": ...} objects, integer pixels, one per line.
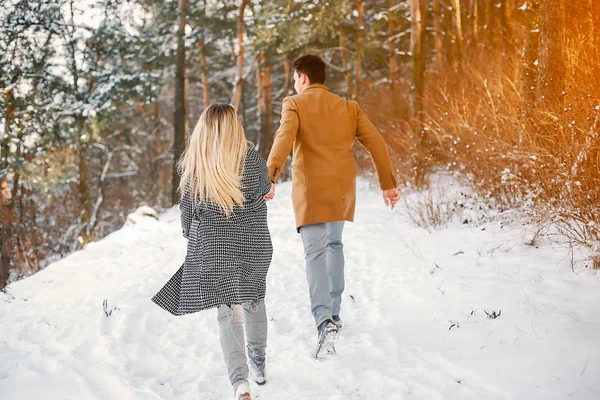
[
  {"x": 231, "y": 330},
  {"x": 324, "y": 255}
]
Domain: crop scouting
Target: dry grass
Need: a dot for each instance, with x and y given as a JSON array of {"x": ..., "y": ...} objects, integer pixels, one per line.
[
  {"x": 429, "y": 209},
  {"x": 543, "y": 158}
]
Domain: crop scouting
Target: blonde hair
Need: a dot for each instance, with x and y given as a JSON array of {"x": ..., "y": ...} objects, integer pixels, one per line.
[{"x": 211, "y": 165}]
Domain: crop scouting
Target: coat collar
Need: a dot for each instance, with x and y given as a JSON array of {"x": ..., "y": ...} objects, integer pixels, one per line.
[{"x": 317, "y": 86}]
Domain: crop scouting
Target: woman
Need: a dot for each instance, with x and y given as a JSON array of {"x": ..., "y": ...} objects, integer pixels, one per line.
[{"x": 224, "y": 218}]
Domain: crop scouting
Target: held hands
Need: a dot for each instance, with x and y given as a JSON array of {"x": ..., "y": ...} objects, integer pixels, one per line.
[
  {"x": 271, "y": 194},
  {"x": 391, "y": 197}
]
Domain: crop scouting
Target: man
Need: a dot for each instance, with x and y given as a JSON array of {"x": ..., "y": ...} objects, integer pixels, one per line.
[{"x": 321, "y": 127}]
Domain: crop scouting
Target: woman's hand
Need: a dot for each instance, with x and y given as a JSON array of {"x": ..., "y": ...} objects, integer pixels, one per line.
[{"x": 271, "y": 194}]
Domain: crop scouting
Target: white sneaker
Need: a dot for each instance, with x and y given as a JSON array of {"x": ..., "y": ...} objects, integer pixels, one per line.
[
  {"x": 243, "y": 392},
  {"x": 257, "y": 370},
  {"x": 256, "y": 365}
]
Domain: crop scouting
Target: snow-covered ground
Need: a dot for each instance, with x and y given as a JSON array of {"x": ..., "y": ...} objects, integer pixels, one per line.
[{"x": 414, "y": 314}]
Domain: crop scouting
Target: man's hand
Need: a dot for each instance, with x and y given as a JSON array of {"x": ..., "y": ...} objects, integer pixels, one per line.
[
  {"x": 391, "y": 197},
  {"x": 271, "y": 194}
]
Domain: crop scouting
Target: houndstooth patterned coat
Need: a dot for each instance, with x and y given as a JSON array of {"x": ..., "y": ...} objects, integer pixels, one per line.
[{"x": 227, "y": 258}]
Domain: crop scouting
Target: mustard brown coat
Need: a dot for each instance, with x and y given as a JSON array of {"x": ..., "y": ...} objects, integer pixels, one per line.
[{"x": 321, "y": 127}]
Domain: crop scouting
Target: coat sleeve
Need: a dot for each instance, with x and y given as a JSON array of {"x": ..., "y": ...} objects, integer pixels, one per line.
[
  {"x": 187, "y": 213},
  {"x": 284, "y": 139},
  {"x": 369, "y": 137}
]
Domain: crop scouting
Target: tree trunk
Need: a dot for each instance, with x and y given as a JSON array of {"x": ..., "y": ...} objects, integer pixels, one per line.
[
  {"x": 418, "y": 10},
  {"x": 489, "y": 12},
  {"x": 475, "y": 21},
  {"x": 239, "y": 78},
  {"x": 265, "y": 104},
  {"x": 6, "y": 221},
  {"x": 38, "y": 254},
  {"x": 259, "y": 93},
  {"x": 417, "y": 47},
  {"x": 6, "y": 214},
  {"x": 343, "y": 50},
  {"x": 203, "y": 75},
  {"x": 437, "y": 25},
  {"x": 27, "y": 245},
  {"x": 6, "y": 204},
  {"x": 156, "y": 150},
  {"x": 180, "y": 123},
  {"x": 460, "y": 43},
  {"x": 288, "y": 75},
  {"x": 552, "y": 66},
  {"x": 84, "y": 189},
  {"x": 285, "y": 170},
  {"x": 507, "y": 32},
  {"x": 531, "y": 53},
  {"x": 448, "y": 42},
  {"x": 392, "y": 59},
  {"x": 359, "y": 49},
  {"x": 267, "y": 119},
  {"x": 596, "y": 39}
]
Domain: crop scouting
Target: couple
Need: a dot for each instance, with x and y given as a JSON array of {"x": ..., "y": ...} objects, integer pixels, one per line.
[{"x": 224, "y": 185}]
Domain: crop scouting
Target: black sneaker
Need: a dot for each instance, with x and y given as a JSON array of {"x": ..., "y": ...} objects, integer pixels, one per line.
[
  {"x": 337, "y": 321},
  {"x": 327, "y": 336}
]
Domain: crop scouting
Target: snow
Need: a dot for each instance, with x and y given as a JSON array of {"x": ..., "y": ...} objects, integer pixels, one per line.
[{"x": 414, "y": 311}]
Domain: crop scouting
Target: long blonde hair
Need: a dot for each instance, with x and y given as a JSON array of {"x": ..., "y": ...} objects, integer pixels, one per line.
[{"x": 211, "y": 165}]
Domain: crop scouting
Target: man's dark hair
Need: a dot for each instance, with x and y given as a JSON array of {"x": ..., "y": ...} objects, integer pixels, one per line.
[{"x": 311, "y": 66}]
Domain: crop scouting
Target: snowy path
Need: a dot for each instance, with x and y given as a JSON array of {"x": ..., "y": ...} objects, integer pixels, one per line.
[{"x": 57, "y": 343}]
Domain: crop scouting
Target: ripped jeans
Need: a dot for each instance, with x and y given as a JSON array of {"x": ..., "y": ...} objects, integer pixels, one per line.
[{"x": 232, "y": 320}]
